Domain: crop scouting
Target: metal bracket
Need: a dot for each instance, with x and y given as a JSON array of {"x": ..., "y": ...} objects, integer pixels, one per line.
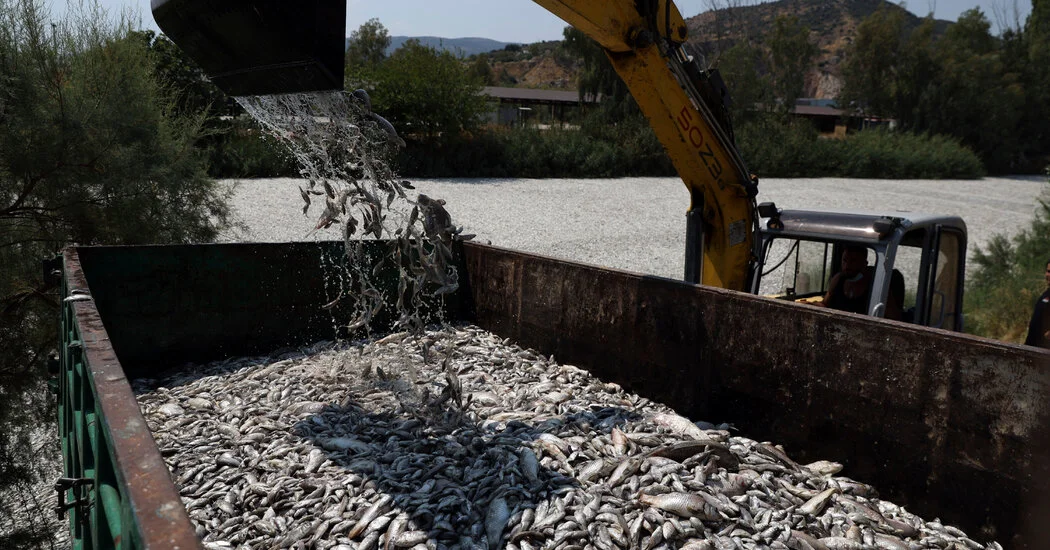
[
  {"x": 52, "y": 269},
  {"x": 75, "y": 483},
  {"x": 77, "y": 295}
]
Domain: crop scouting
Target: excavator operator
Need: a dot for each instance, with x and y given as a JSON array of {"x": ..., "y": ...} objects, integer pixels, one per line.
[{"x": 850, "y": 288}]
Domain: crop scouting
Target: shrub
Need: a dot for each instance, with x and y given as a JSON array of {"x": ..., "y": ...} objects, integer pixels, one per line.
[
  {"x": 242, "y": 150},
  {"x": 532, "y": 153},
  {"x": 90, "y": 152},
  {"x": 1008, "y": 277},
  {"x": 773, "y": 148}
]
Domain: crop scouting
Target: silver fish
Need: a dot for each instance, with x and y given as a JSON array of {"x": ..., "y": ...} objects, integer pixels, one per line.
[{"x": 684, "y": 504}]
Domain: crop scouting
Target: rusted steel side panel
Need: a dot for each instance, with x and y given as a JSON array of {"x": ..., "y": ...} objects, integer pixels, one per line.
[
  {"x": 166, "y": 305},
  {"x": 157, "y": 510},
  {"x": 593, "y": 319},
  {"x": 945, "y": 423}
]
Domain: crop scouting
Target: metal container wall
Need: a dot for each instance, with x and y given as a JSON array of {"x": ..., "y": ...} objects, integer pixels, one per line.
[{"x": 950, "y": 425}]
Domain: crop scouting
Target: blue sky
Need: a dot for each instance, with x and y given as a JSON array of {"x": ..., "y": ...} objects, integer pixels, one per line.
[{"x": 523, "y": 20}]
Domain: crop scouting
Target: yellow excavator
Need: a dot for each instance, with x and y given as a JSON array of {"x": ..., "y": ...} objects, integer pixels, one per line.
[{"x": 252, "y": 47}]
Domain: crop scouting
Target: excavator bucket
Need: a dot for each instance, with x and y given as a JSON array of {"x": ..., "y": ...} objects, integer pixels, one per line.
[{"x": 260, "y": 47}]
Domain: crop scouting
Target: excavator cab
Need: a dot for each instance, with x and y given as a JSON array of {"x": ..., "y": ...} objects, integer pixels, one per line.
[
  {"x": 800, "y": 251},
  {"x": 260, "y": 48}
]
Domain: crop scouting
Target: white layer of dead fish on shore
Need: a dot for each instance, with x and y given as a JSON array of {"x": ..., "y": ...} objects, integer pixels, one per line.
[{"x": 480, "y": 444}]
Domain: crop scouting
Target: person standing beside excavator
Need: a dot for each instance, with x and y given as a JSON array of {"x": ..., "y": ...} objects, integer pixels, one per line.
[{"x": 1039, "y": 326}]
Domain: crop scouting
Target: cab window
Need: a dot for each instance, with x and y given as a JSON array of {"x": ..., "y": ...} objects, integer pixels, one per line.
[
  {"x": 795, "y": 268},
  {"x": 944, "y": 303}
]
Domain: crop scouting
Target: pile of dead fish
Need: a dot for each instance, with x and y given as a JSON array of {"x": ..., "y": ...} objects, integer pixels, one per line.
[{"x": 457, "y": 439}]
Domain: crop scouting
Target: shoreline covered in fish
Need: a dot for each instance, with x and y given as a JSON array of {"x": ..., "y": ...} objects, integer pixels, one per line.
[{"x": 455, "y": 438}]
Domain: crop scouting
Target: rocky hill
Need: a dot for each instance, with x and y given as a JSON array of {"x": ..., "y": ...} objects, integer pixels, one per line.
[
  {"x": 539, "y": 65},
  {"x": 832, "y": 24}
]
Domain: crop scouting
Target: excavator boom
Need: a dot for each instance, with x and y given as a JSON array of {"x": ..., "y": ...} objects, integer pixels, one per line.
[
  {"x": 643, "y": 40},
  {"x": 257, "y": 48}
]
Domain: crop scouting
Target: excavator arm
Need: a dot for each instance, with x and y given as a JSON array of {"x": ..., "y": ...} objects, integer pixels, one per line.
[
  {"x": 256, "y": 48},
  {"x": 643, "y": 40}
]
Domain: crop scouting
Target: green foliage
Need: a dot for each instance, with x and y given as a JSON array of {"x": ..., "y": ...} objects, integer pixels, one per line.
[
  {"x": 870, "y": 67},
  {"x": 242, "y": 150},
  {"x": 790, "y": 55},
  {"x": 482, "y": 71},
  {"x": 768, "y": 78},
  {"x": 985, "y": 91},
  {"x": 92, "y": 151},
  {"x": 426, "y": 93},
  {"x": 749, "y": 85},
  {"x": 1008, "y": 278},
  {"x": 974, "y": 98},
  {"x": 775, "y": 149},
  {"x": 184, "y": 81},
  {"x": 597, "y": 149},
  {"x": 367, "y": 47},
  {"x": 598, "y": 78},
  {"x": 900, "y": 155},
  {"x": 1031, "y": 60},
  {"x": 234, "y": 146},
  {"x": 519, "y": 52}
]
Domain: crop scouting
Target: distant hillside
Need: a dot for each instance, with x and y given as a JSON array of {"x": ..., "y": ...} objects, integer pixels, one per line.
[
  {"x": 462, "y": 47},
  {"x": 832, "y": 24},
  {"x": 538, "y": 65}
]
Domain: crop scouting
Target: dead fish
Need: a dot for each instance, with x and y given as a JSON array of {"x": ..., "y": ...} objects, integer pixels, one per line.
[
  {"x": 679, "y": 425},
  {"x": 250, "y": 461},
  {"x": 887, "y": 542},
  {"x": 397, "y": 526},
  {"x": 805, "y": 541},
  {"x": 306, "y": 199},
  {"x": 370, "y": 514},
  {"x": 495, "y": 520},
  {"x": 389, "y": 131},
  {"x": 773, "y": 452},
  {"x": 171, "y": 409},
  {"x": 625, "y": 469},
  {"x": 815, "y": 505},
  {"x": 842, "y": 543},
  {"x": 345, "y": 444},
  {"x": 619, "y": 440},
  {"x": 824, "y": 467},
  {"x": 408, "y": 539},
  {"x": 314, "y": 461},
  {"x": 364, "y": 99},
  {"x": 437, "y": 224},
  {"x": 686, "y": 505},
  {"x": 686, "y": 449},
  {"x": 529, "y": 464}
]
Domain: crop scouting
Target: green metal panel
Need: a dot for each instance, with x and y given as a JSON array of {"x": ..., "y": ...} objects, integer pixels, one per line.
[
  {"x": 104, "y": 508},
  {"x": 84, "y": 443}
]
